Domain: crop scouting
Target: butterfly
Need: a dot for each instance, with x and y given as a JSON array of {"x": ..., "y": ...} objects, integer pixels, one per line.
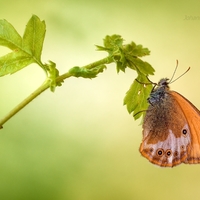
[{"x": 171, "y": 128}]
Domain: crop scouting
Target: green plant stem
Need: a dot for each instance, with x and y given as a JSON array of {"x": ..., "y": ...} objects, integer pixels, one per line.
[
  {"x": 45, "y": 86},
  {"x": 21, "y": 105},
  {"x": 106, "y": 60}
]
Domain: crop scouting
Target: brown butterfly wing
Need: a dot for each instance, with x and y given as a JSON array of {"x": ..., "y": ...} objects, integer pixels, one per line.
[
  {"x": 192, "y": 115},
  {"x": 166, "y": 133}
]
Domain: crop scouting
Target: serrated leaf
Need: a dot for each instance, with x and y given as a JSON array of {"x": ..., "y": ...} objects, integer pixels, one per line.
[
  {"x": 121, "y": 66},
  {"x": 144, "y": 67},
  {"x": 9, "y": 37},
  {"x": 112, "y": 41},
  {"x": 120, "y": 60},
  {"x": 34, "y": 37},
  {"x": 100, "y": 48},
  {"x": 136, "y": 50},
  {"x": 126, "y": 55},
  {"x": 140, "y": 51},
  {"x": 25, "y": 51},
  {"x": 13, "y": 62},
  {"x": 136, "y": 97}
]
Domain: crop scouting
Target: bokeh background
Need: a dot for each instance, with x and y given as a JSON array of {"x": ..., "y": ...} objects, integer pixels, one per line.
[{"x": 80, "y": 143}]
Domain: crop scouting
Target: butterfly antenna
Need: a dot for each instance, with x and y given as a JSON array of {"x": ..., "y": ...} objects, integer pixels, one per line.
[
  {"x": 181, "y": 75},
  {"x": 175, "y": 72}
]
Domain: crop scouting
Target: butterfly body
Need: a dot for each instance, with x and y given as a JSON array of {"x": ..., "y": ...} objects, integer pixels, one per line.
[{"x": 171, "y": 128}]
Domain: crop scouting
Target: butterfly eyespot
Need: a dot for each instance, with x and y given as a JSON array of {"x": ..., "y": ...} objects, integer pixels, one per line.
[
  {"x": 168, "y": 153},
  {"x": 182, "y": 147},
  {"x": 184, "y": 131},
  {"x": 159, "y": 152},
  {"x": 175, "y": 153},
  {"x": 151, "y": 150}
]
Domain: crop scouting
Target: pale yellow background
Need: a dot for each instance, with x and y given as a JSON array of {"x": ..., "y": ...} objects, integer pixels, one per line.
[{"x": 80, "y": 143}]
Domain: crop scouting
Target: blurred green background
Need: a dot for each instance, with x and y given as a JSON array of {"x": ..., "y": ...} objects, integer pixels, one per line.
[{"x": 80, "y": 143}]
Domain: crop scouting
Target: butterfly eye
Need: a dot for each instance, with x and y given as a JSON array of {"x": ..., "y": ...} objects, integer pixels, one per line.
[{"x": 159, "y": 152}]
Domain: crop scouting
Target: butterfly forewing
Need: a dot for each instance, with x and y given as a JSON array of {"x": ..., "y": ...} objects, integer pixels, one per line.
[{"x": 193, "y": 120}]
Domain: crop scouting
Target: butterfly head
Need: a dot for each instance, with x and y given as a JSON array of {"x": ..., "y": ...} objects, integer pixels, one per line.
[
  {"x": 159, "y": 91},
  {"x": 164, "y": 82}
]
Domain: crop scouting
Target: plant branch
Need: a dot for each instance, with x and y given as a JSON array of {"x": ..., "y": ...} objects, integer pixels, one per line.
[
  {"x": 21, "y": 105},
  {"x": 45, "y": 86}
]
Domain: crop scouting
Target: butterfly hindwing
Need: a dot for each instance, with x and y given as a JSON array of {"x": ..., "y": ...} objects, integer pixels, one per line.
[{"x": 166, "y": 134}]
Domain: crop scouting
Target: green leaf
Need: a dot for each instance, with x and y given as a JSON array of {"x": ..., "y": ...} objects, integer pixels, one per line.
[
  {"x": 141, "y": 66},
  {"x": 112, "y": 45},
  {"x": 34, "y": 37},
  {"x": 24, "y": 51},
  {"x": 100, "y": 48},
  {"x": 110, "y": 42},
  {"x": 121, "y": 65},
  {"x": 136, "y": 97},
  {"x": 85, "y": 72},
  {"x": 126, "y": 55},
  {"x": 13, "y": 62},
  {"x": 136, "y": 50},
  {"x": 9, "y": 36},
  {"x": 53, "y": 73}
]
